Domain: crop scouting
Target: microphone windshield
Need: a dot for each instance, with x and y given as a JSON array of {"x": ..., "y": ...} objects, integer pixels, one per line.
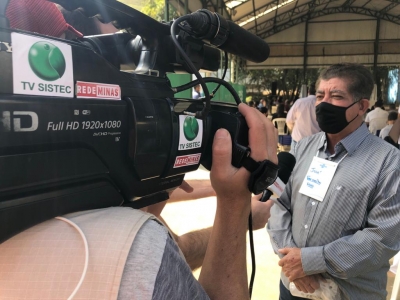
[{"x": 286, "y": 163}]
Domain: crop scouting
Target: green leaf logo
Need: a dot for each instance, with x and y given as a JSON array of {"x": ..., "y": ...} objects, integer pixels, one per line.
[
  {"x": 46, "y": 61},
  {"x": 190, "y": 128}
]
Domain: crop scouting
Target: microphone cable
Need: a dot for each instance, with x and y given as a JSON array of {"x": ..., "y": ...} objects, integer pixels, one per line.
[
  {"x": 200, "y": 114},
  {"x": 223, "y": 75},
  {"x": 210, "y": 79},
  {"x": 253, "y": 256}
]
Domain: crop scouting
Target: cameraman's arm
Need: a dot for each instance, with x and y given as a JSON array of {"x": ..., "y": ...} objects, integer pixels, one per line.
[
  {"x": 192, "y": 190},
  {"x": 224, "y": 274},
  {"x": 194, "y": 244}
]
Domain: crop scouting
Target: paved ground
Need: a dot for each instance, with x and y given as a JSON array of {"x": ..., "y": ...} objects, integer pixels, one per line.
[{"x": 187, "y": 216}]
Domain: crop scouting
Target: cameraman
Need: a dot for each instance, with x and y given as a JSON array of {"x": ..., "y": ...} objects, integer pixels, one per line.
[{"x": 46, "y": 261}]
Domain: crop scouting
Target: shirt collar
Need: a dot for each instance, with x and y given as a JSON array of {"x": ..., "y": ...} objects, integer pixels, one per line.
[{"x": 350, "y": 142}]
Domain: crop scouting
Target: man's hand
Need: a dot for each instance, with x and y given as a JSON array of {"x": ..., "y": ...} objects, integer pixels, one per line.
[
  {"x": 260, "y": 211},
  {"x": 291, "y": 263},
  {"x": 308, "y": 284}
]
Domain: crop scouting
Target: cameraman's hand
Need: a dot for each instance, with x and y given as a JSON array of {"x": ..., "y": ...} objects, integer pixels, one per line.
[
  {"x": 229, "y": 182},
  {"x": 224, "y": 273}
]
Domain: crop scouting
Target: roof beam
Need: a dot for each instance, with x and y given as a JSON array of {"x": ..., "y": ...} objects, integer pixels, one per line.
[
  {"x": 304, "y": 8},
  {"x": 366, "y": 3},
  {"x": 276, "y": 13},
  {"x": 329, "y": 11},
  {"x": 389, "y": 7},
  {"x": 255, "y": 18},
  {"x": 295, "y": 6},
  {"x": 348, "y": 2}
]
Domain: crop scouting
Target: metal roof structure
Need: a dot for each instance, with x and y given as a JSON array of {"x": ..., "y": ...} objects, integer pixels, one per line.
[{"x": 315, "y": 33}]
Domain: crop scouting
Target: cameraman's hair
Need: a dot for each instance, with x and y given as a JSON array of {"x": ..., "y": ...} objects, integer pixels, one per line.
[{"x": 360, "y": 82}]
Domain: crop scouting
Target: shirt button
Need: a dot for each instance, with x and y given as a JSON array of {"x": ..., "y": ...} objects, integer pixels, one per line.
[
  {"x": 305, "y": 226},
  {"x": 313, "y": 203}
]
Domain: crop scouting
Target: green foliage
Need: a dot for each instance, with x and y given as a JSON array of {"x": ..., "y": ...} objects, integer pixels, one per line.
[
  {"x": 289, "y": 81},
  {"x": 136, "y": 4},
  {"x": 156, "y": 10}
]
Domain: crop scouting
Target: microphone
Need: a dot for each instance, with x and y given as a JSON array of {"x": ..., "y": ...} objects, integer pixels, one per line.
[
  {"x": 228, "y": 36},
  {"x": 286, "y": 163}
]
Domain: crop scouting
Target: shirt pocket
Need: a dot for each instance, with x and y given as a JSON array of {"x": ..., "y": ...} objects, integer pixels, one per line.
[{"x": 347, "y": 209}]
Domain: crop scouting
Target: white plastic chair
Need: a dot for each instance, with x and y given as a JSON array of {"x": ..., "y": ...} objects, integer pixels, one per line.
[{"x": 280, "y": 124}]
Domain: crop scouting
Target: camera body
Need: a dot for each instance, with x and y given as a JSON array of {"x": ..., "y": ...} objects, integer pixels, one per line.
[{"x": 78, "y": 133}]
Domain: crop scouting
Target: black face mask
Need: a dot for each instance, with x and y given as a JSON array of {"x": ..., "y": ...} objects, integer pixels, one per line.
[{"x": 332, "y": 118}]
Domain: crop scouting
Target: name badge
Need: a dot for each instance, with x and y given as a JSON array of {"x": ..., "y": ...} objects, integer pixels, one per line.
[{"x": 318, "y": 178}]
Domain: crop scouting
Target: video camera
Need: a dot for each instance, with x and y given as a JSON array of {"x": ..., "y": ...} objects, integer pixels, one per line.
[{"x": 78, "y": 133}]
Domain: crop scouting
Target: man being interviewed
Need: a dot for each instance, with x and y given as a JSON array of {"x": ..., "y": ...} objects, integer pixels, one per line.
[{"x": 344, "y": 199}]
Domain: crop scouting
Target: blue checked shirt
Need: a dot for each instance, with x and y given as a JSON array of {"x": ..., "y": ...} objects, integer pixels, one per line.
[{"x": 351, "y": 235}]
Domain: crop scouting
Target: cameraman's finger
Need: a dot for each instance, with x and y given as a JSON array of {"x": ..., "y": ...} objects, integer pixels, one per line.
[
  {"x": 257, "y": 141},
  {"x": 221, "y": 153},
  {"x": 262, "y": 138}
]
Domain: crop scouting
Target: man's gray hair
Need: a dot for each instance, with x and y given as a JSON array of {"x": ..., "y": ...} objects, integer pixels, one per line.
[{"x": 360, "y": 82}]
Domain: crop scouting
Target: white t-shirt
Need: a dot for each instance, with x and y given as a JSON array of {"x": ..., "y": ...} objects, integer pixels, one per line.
[
  {"x": 393, "y": 267},
  {"x": 377, "y": 119},
  {"x": 385, "y": 131},
  {"x": 301, "y": 119}
]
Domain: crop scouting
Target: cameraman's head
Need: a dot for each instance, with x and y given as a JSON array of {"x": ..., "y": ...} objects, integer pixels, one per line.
[{"x": 39, "y": 16}]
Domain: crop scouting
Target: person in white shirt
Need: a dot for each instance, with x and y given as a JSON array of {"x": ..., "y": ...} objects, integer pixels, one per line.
[
  {"x": 392, "y": 117},
  {"x": 196, "y": 92},
  {"x": 301, "y": 119},
  {"x": 377, "y": 118}
]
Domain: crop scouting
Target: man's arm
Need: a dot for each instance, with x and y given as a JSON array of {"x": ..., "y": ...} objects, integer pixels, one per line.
[
  {"x": 291, "y": 117},
  {"x": 361, "y": 252},
  {"x": 224, "y": 274},
  {"x": 196, "y": 189},
  {"x": 279, "y": 226},
  {"x": 394, "y": 133}
]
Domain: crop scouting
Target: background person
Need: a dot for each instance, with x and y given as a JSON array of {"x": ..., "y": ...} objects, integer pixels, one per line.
[
  {"x": 348, "y": 231},
  {"x": 301, "y": 119},
  {"x": 280, "y": 112},
  {"x": 196, "y": 92},
  {"x": 376, "y": 119},
  {"x": 392, "y": 117}
]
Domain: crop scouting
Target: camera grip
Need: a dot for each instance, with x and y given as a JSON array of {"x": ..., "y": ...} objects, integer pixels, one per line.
[{"x": 236, "y": 125}]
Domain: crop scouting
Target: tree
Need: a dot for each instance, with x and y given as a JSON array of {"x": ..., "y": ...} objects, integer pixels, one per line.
[
  {"x": 289, "y": 81},
  {"x": 156, "y": 10}
]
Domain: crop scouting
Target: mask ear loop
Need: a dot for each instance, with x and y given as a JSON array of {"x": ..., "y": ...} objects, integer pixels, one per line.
[{"x": 358, "y": 101}]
